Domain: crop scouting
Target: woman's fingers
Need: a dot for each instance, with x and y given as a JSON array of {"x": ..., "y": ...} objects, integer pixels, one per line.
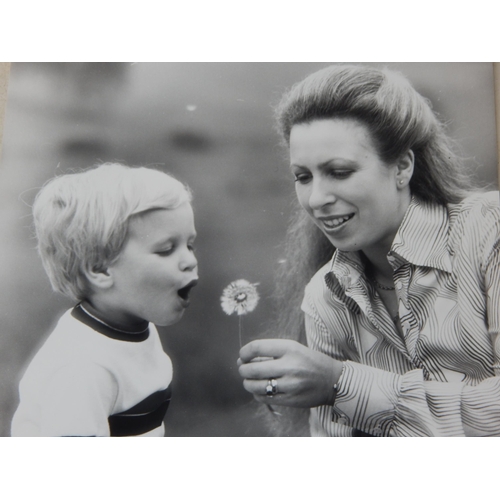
[
  {"x": 260, "y": 387},
  {"x": 284, "y": 394},
  {"x": 305, "y": 378},
  {"x": 268, "y": 368},
  {"x": 267, "y": 348},
  {"x": 239, "y": 362},
  {"x": 266, "y": 358}
]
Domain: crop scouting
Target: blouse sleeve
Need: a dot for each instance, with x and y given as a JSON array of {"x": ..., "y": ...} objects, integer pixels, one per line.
[
  {"x": 481, "y": 404},
  {"x": 78, "y": 401}
]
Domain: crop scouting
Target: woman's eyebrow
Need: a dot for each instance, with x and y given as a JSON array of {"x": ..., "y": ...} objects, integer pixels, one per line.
[
  {"x": 332, "y": 162},
  {"x": 328, "y": 163}
]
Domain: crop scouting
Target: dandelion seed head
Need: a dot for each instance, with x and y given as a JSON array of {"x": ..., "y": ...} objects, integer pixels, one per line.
[{"x": 240, "y": 297}]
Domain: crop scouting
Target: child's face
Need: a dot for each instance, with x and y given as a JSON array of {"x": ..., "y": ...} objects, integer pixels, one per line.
[{"x": 156, "y": 268}]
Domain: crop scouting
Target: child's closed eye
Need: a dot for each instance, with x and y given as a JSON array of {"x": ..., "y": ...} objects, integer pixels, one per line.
[
  {"x": 169, "y": 251},
  {"x": 165, "y": 252}
]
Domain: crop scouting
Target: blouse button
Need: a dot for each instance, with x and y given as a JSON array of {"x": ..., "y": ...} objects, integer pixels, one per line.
[{"x": 399, "y": 286}]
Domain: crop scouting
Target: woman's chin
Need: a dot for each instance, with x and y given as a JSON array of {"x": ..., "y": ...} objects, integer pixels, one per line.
[{"x": 344, "y": 246}]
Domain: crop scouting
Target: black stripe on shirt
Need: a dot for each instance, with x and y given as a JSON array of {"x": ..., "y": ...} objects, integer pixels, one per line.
[{"x": 143, "y": 417}]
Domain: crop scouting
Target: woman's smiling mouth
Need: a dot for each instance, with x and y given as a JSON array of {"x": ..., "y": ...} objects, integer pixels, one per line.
[{"x": 335, "y": 223}]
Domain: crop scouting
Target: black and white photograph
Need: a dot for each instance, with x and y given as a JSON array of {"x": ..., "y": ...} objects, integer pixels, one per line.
[{"x": 250, "y": 250}]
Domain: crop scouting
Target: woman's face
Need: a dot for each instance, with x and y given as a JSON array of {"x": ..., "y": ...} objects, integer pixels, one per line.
[{"x": 349, "y": 192}]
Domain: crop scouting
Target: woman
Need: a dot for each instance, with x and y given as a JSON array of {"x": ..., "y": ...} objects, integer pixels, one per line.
[{"x": 402, "y": 315}]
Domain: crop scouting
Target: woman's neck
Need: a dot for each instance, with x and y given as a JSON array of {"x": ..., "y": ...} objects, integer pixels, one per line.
[
  {"x": 377, "y": 255},
  {"x": 376, "y": 262}
]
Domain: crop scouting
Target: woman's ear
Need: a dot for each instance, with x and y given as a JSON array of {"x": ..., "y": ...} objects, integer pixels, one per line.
[
  {"x": 100, "y": 278},
  {"x": 405, "y": 167}
]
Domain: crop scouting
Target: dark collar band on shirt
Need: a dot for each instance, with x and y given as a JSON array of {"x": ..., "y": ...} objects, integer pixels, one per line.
[{"x": 79, "y": 313}]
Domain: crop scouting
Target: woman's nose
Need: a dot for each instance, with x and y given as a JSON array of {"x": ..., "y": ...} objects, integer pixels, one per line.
[{"x": 321, "y": 194}]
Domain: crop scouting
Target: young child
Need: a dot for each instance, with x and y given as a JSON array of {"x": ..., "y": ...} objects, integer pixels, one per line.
[{"x": 118, "y": 241}]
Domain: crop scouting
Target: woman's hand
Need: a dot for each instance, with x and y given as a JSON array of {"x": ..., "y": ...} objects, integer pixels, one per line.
[{"x": 305, "y": 378}]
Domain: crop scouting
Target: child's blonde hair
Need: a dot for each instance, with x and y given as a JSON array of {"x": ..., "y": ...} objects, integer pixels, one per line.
[{"x": 81, "y": 220}]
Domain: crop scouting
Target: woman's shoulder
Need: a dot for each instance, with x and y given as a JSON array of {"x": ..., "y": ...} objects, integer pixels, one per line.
[
  {"x": 475, "y": 222},
  {"x": 478, "y": 211},
  {"x": 476, "y": 204}
]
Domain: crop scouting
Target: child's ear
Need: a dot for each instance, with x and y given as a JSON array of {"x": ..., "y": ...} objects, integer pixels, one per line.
[{"x": 100, "y": 278}]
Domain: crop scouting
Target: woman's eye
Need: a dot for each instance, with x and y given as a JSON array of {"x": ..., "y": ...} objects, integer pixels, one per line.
[
  {"x": 340, "y": 174},
  {"x": 191, "y": 247},
  {"x": 302, "y": 178}
]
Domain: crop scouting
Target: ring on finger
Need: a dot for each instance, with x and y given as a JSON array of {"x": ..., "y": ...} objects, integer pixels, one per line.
[{"x": 271, "y": 387}]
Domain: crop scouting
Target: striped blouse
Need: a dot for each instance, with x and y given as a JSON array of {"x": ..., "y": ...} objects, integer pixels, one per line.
[{"x": 441, "y": 375}]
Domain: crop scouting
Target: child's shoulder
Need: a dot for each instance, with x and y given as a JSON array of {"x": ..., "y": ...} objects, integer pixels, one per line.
[
  {"x": 67, "y": 333},
  {"x": 61, "y": 345},
  {"x": 75, "y": 343}
]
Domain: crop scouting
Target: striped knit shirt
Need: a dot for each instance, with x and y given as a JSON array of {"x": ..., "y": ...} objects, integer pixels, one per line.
[{"x": 441, "y": 375}]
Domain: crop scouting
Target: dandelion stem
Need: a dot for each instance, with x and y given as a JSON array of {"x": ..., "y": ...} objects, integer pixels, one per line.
[
  {"x": 273, "y": 411},
  {"x": 239, "y": 330}
]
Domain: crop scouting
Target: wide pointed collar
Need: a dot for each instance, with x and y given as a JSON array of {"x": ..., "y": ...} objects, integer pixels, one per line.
[
  {"x": 342, "y": 276},
  {"x": 422, "y": 238},
  {"x": 347, "y": 267}
]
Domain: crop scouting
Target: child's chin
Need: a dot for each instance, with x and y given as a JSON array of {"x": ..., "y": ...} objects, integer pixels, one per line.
[{"x": 170, "y": 320}]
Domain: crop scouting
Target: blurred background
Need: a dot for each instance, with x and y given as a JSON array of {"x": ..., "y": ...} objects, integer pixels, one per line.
[{"x": 211, "y": 125}]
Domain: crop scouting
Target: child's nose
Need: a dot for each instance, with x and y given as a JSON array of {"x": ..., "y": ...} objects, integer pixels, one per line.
[{"x": 189, "y": 261}]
